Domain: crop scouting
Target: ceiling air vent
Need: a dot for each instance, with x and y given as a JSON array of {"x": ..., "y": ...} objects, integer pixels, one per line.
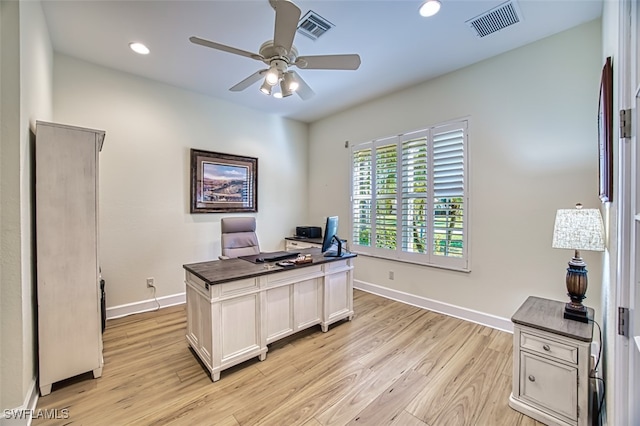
[
  {"x": 496, "y": 19},
  {"x": 313, "y": 25}
]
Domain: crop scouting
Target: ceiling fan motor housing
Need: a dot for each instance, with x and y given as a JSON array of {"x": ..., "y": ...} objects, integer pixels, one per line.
[{"x": 269, "y": 53}]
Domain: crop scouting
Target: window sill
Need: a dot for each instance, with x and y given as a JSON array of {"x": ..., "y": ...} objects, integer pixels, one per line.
[{"x": 413, "y": 262}]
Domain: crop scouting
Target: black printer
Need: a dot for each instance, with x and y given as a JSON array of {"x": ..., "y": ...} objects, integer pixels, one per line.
[{"x": 308, "y": 231}]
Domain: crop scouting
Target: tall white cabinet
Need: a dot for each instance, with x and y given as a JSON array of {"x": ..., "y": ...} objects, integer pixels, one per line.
[{"x": 68, "y": 288}]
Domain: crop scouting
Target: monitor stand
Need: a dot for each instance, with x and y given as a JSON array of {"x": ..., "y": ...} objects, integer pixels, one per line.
[{"x": 334, "y": 253}]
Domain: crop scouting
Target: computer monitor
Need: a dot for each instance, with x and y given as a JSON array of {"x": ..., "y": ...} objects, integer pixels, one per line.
[{"x": 330, "y": 230}]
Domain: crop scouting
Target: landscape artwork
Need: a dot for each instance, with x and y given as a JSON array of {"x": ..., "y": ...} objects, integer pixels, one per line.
[{"x": 223, "y": 182}]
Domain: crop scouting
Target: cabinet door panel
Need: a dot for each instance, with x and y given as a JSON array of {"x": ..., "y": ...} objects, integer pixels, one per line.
[
  {"x": 240, "y": 317},
  {"x": 199, "y": 325},
  {"x": 548, "y": 384},
  {"x": 336, "y": 296},
  {"x": 194, "y": 329},
  {"x": 307, "y": 303},
  {"x": 278, "y": 313}
]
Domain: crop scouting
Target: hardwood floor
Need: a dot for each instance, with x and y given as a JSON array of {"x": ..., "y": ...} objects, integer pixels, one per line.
[{"x": 394, "y": 364}]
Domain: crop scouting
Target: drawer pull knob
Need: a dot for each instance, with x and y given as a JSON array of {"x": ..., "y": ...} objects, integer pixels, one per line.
[
  {"x": 532, "y": 378},
  {"x": 546, "y": 348}
]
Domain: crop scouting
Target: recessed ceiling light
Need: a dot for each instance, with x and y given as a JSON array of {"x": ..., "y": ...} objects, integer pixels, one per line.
[
  {"x": 429, "y": 8},
  {"x": 139, "y": 48}
]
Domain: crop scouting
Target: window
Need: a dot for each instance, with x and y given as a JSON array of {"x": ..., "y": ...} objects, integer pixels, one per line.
[{"x": 409, "y": 197}]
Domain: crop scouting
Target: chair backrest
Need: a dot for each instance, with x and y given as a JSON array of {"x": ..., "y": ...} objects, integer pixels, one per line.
[{"x": 239, "y": 236}]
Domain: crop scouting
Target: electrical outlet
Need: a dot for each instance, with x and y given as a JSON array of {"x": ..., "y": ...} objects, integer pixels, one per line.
[
  {"x": 150, "y": 282},
  {"x": 391, "y": 275}
]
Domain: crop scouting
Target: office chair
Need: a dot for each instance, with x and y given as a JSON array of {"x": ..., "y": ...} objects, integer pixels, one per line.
[{"x": 238, "y": 237}]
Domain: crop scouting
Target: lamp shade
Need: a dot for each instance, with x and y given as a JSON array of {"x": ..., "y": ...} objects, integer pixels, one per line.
[{"x": 578, "y": 229}]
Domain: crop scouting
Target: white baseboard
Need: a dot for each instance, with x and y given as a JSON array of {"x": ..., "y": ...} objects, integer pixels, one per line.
[
  {"x": 482, "y": 318},
  {"x": 145, "y": 305},
  {"x": 23, "y": 414}
]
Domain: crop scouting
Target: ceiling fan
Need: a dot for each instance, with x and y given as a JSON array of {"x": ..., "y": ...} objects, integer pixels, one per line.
[{"x": 280, "y": 54}]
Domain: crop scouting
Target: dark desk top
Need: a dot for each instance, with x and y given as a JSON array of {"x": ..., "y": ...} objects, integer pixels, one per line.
[
  {"x": 222, "y": 271},
  {"x": 547, "y": 315}
]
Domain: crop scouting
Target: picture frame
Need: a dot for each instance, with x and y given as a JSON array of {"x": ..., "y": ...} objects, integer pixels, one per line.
[
  {"x": 223, "y": 183},
  {"x": 605, "y": 133}
]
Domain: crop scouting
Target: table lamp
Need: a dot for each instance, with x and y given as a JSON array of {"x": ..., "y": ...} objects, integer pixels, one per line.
[{"x": 578, "y": 229}]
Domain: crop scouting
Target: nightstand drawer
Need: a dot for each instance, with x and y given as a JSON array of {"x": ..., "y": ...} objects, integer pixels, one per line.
[{"x": 549, "y": 348}]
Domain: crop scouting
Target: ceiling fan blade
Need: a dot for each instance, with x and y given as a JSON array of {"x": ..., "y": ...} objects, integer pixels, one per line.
[
  {"x": 329, "y": 62},
  {"x": 224, "y": 48},
  {"x": 248, "y": 81},
  {"x": 304, "y": 91},
  {"x": 287, "y": 17}
]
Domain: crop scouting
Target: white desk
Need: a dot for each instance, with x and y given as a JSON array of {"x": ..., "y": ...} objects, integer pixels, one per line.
[{"x": 235, "y": 308}]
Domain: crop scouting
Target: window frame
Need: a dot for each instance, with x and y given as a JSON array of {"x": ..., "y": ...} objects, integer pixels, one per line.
[{"x": 429, "y": 258}]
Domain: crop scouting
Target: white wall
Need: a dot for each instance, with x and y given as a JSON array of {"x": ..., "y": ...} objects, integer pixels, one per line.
[
  {"x": 146, "y": 229},
  {"x": 26, "y": 80},
  {"x": 11, "y": 391},
  {"x": 532, "y": 150}
]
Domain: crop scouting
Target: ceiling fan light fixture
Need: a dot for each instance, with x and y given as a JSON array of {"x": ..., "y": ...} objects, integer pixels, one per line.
[
  {"x": 284, "y": 90},
  {"x": 430, "y": 8},
  {"x": 266, "y": 88},
  {"x": 289, "y": 82},
  {"x": 273, "y": 76}
]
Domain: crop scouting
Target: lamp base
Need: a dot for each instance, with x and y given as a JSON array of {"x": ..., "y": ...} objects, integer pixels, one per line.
[{"x": 570, "y": 312}]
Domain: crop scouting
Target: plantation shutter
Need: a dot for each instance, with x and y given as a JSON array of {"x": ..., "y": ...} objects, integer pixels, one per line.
[
  {"x": 414, "y": 194},
  {"x": 409, "y": 197},
  {"x": 361, "y": 196},
  {"x": 448, "y": 191},
  {"x": 386, "y": 176}
]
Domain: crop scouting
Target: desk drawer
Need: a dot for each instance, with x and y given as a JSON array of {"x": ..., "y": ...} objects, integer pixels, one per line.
[
  {"x": 299, "y": 245},
  {"x": 238, "y": 287},
  {"x": 197, "y": 282},
  {"x": 339, "y": 266},
  {"x": 294, "y": 275},
  {"x": 549, "y": 348}
]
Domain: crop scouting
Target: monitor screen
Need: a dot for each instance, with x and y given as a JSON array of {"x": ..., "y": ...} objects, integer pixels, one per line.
[{"x": 331, "y": 238}]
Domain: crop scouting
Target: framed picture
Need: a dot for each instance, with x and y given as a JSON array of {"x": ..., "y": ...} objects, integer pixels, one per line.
[
  {"x": 223, "y": 183},
  {"x": 605, "y": 133}
]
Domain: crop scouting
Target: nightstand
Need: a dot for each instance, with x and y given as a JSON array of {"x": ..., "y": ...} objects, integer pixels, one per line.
[{"x": 550, "y": 363}]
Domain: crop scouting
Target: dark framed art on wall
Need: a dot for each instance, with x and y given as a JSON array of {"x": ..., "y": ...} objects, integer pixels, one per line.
[
  {"x": 223, "y": 183},
  {"x": 605, "y": 133}
]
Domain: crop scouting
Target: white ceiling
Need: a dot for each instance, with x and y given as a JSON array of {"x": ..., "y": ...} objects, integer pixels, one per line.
[{"x": 398, "y": 47}]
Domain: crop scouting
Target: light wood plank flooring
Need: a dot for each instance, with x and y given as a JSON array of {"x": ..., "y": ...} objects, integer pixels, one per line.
[{"x": 394, "y": 364}]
